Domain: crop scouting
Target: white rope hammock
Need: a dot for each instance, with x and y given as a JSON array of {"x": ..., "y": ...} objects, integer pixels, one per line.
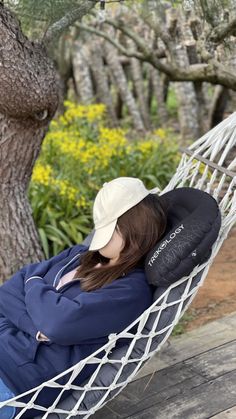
[{"x": 208, "y": 164}]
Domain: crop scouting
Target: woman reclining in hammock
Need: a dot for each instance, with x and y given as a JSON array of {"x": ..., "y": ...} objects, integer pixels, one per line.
[{"x": 56, "y": 312}]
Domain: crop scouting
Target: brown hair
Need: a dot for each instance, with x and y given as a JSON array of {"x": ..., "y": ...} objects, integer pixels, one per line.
[{"x": 141, "y": 228}]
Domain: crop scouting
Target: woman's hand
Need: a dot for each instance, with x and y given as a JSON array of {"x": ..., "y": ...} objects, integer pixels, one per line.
[{"x": 41, "y": 337}]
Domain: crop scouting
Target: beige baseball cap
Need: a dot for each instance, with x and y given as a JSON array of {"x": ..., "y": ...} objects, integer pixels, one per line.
[{"x": 114, "y": 199}]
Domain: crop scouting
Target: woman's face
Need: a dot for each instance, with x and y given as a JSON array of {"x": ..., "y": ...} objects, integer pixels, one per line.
[{"x": 113, "y": 247}]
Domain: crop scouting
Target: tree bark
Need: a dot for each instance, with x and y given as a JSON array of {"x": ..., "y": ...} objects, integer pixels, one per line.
[
  {"x": 219, "y": 102},
  {"x": 137, "y": 78},
  {"x": 29, "y": 86},
  {"x": 101, "y": 80},
  {"x": 63, "y": 61},
  {"x": 185, "y": 92},
  {"x": 122, "y": 85},
  {"x": 29, "y": 97},
  {"x": 157, "y": 87},
  {"x": 81, "y": 70}
]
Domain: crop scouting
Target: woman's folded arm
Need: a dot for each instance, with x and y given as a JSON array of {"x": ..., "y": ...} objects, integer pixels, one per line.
[{"x": 91, "y": 315}]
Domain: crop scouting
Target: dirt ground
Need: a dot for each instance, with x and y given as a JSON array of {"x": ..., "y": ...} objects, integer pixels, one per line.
[{"x": 217, "y": 296}]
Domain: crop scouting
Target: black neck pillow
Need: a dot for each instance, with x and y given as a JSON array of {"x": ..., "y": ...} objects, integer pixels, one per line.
[{"x": 193, "y": 224}]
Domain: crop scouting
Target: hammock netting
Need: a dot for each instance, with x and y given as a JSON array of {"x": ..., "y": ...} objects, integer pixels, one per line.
[{"x": 208, "y": 164}]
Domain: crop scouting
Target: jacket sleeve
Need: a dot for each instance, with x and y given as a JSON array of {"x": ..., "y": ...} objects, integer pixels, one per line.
[
  {"x": 12, "y": 293},
  {"x": 12, "y": 303},
  {"x": 91, "y": 315}
]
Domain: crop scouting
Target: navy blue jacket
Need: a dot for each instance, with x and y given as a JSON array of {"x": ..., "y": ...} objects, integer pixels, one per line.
[{"x": 76, "y": 322}]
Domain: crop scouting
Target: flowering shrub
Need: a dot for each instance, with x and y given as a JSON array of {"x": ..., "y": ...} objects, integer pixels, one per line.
[{"x": 78, "y": 155}]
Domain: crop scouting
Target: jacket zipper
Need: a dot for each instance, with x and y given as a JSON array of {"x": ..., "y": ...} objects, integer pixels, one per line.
[{"x": 63, "y": 268}]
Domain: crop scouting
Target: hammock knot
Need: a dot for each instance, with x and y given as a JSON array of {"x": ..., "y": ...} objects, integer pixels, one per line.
[
  {"x": 104, "y": 360},
  {"x": 112, "y": 336},
  {"x": 74, "y": 412},
  {"x": 92, "y": 410},
  {"x": 30, "y": 405}
]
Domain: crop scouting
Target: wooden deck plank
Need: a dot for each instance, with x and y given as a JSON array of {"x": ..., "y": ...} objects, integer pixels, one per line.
[
  {"x": 215, "y": 362},
  {"x": 150, "y": 390},
  {"x": 168, "y": 386},
  {"x": 198, "y": 403},
  {"x": 193, "y": 343},
  {"x": 227, "y": 414},
  {"x": 202, "y": 401},
  {"x": 164, "y": 384}
]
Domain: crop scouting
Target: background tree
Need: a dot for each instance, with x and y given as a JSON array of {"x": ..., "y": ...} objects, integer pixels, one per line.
[
  {"x": 29, "y": 98},
  {"x": 191, "y": 43},
  {"x": 125, "y": 59}
]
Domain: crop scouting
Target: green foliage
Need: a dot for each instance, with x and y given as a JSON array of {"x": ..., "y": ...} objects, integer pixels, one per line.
[
  {"x": 59, "y": 225},
  {"x": 180, "y": 328},
  {"x": 78, "y": 155}
]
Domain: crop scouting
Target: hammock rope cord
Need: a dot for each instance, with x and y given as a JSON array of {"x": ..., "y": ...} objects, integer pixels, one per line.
[{"x": 208, "y": 164}]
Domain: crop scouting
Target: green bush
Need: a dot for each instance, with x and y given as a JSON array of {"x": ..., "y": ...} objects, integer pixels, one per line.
[{"x": 79, "y": 154}]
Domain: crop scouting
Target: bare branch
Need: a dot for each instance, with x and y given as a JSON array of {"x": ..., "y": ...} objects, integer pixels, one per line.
[
  {"x": 56, "y": 29},
  {"x": 213, "y": 72},
  {"x": 220, "y": 32},
  {"x": 123, "y": 50},
  {"x": 147, "y": 53},
  {"x": 210, "y": 71},
  {"x": 121, "y": 25}
]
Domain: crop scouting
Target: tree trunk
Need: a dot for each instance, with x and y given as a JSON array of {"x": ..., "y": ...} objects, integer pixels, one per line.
[
  {"x": 119, "y": 106},
  {"x": 157, "y": 87},
  {"x": 185, "y": 92},
  {"x": 122, "y": 85},
  {"x": 101, "y": 80},
  {"x": 203, "y": 107},
  {"x": 62, "y": 57},
  {"x": 221, "y": 93},
  {"x": 29, "y": 97},
  {"x": 137, "y": 78},
  {"x": 219, "y": 102},
  {"x": 82, "y": 74}
]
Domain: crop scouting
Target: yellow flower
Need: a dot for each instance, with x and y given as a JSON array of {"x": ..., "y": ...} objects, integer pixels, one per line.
[
  {"x": 81, "y": 203},
  {"x": 42, "y": 174},
  {"x": 160, "y": 132},
  {"x": 114, "y": 136},
  {"x": 90, "y": 112},
  {"x": 146, "y": 146},
  {"x": 95, "y": 111},
  {"x": 65, "y": 189}
]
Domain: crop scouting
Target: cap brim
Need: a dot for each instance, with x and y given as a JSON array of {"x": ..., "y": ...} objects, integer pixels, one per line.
[{"x": 102, "y": 236}]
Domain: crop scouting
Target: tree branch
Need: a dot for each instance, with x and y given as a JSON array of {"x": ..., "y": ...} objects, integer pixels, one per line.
[
  {"x": 123, "y": 50},
  {"x": 112, "y": 41},
  {"x": 119, "y": 24},
  {"x": 147, "y": 53},
  {"x": 212, "y": 72},
  {"x": 220, "y": 32},
  {"x": 56, "y": 29}
]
